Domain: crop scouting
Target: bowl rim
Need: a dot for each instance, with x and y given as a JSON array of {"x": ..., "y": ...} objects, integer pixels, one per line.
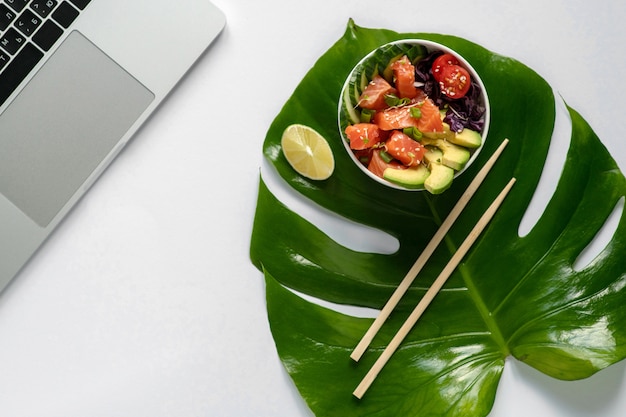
[{"x": 431, "y": 46}]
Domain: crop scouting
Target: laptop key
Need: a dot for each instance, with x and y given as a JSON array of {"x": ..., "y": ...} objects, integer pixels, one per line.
[
  {"x": 27, "y": 23},
  {"x": 17, "y": 5},
  {"x": 21, "y": 65},
  {"x": 65, "y": 14},
  {"x": 4, "y": 59},
  {"x": 49, "y": 33},
  {"x": 6, "y": 16},
  {"x": 12, "y": 41},
  {"x": 43, "y": 7},
  {"x": 81, "y": 4}
]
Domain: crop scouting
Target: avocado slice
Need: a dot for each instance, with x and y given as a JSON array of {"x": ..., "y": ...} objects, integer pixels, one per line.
[
  {"x": 445, "y": 134},
  {"x": 441, "y": 176},
  {"x": 454, "y": 156},
  {"x": 412, "y": 177},
  {"x": 433, "y": 155},
  {"x": 467, "y": 138}
]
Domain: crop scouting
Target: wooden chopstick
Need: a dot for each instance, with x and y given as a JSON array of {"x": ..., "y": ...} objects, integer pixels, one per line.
[
  {"x": 432, "y": 292},
  {"x": 425, "y": 255}
]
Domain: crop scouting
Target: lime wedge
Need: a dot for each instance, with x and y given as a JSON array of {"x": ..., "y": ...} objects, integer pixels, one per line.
[{"x": 307, "y": 152}]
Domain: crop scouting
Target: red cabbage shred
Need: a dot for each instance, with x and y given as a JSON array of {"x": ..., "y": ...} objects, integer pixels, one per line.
[{"x": 465, "y": 112}]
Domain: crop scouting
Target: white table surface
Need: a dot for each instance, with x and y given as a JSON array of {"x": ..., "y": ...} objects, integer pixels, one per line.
[{"x": 144, "y": 301}]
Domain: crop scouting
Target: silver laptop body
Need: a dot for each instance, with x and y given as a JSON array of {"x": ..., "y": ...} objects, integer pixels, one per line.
[{"x": 84, "y": 99}]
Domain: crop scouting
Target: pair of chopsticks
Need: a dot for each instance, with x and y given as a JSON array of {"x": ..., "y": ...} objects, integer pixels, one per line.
[{"x": 362, "y": 346}]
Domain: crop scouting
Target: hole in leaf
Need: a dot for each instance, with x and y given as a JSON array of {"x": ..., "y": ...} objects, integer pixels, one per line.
[
  {"x": 350, "y": 234},
  {"x": 346, "y": 309},
  {"x": 557, "y": 153},
  {"x": 601, "y": 239}
]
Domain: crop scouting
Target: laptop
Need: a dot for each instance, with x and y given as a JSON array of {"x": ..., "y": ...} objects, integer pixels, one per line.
[{"x": 77, "y": 79}]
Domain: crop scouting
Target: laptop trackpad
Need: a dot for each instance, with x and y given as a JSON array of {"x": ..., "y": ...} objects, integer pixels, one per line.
[{"x": 63, "y": 124}]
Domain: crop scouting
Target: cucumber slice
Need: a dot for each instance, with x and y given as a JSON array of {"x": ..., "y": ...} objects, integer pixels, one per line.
[{"x": 349, "y": 108}]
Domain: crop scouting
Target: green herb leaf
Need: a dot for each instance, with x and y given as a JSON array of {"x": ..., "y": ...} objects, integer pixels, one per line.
[
  {"x": 367, "y": 115},
  {"x": 393, "y": 100},
  {"x": 384, "y": 155},
  {"x": 512, "y": 296},
  {"x": 413, "y": 132}
]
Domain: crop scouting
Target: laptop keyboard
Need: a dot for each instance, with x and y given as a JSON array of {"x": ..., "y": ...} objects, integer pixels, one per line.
[{"x": 28, "y": 29}]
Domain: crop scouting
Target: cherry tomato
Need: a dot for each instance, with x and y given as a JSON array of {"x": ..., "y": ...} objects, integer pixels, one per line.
[
  {"x": 455, "y": 81},
  {"x": 443, "y": 61}
]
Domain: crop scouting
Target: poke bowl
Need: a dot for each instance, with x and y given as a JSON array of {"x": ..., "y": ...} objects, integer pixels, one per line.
[{"x": 413, "y": 115}]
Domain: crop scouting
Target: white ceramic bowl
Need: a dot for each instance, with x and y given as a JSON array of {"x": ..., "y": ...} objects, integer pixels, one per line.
[{"x": 430, "y": 47}]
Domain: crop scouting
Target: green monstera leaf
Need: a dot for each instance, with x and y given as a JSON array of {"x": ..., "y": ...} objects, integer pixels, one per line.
[{"x": 512, "y": 295}]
